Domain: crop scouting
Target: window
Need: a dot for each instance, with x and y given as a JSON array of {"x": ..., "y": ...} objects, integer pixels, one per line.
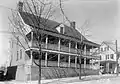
[
  {"x": 101, "y": 49},
  {"x": 20, "y": 53},
  {"x": 100, "y": 57},
  {"x": 108, "y": 48},
  {"x": 104, "y": 48},
  {"x": 111, "y": 56},
  {"x": 62, "y": 30},
  {"x": 106, "y": 57}
]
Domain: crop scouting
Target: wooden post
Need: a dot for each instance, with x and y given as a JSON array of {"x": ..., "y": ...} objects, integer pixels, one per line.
[
  {"x": 46, "y": 61},
  {"x": 84, "y": 63},
  {"x": 46, "y": 42},
  {"x": 107, "y": 67},
  {"x": 76, "y": 61},
  {"x": 80, "y": 55},
  {"x": 59, "y": 54},
  {"x": 69, "y": 62},
  {"x": 76, "y": 56},
  {"x": 58, "y": 60},
  {"x": 80, "y": 66},
  {"x": 31, "y": 63},
  {"x": 117, "y": 58},
  {"x": 46, "y": 46},
  {"x": 59, "y": 45},
  {"x": 31, "y": 59},
  {"x": 85, "y": 53},
  {"x": 69, "y": 55}
]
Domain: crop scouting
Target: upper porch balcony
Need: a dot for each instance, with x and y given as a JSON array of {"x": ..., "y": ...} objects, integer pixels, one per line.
[
  {"x": 55, "y": 47},
  {"x": 58, "y": 44}
]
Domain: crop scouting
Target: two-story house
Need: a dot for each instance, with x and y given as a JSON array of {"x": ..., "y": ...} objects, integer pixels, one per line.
[
  {"x": 108, "y": 60},
  {"x": 60, "y": 46}
]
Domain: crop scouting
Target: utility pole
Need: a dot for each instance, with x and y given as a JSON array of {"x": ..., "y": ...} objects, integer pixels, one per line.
[
  {"x": 80, "y": 65},
  {"x": 117, "y": 58},
  {"x": 80, "y": 55}
]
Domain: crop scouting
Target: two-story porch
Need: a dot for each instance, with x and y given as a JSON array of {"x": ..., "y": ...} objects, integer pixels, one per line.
[{"x": 60, "y": 52}]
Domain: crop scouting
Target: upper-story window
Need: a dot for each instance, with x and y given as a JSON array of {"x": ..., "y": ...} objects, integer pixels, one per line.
[
  {"x": 112, "y": 56},
  {"x": 61, "y": 29},
  {"x": 101, "y": 49},
  {"x": 108, "y": 56},
  {"x": 105, "y": 48},
  {"x": 100, "y": 57},
  {"x": 108, "y": 48}
]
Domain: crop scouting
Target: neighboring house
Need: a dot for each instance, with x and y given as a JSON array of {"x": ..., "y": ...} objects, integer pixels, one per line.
[
  {"x": 107, "y": 54},
  {"x": 59, "y": 50}
]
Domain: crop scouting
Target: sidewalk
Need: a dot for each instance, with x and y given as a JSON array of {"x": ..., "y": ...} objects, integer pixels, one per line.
[{"x": 69, "y": 80}]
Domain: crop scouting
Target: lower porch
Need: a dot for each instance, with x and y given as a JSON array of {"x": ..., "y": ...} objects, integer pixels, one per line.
[{"x": 108, "y": 67}]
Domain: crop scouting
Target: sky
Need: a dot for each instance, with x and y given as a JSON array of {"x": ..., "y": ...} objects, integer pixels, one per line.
[{"x": 102, "y": 15}]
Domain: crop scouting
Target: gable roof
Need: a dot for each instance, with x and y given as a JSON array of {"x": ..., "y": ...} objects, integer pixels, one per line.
[
  {"x": 32, "y": 20},
  {"x": 51, "y": 25},
  {"x": 111, "y": 45}
]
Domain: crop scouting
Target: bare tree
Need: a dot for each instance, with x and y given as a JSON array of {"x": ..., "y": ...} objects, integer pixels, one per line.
[
  {"x": 41, "y": 11},
  {"x": 85, "y": 27}
]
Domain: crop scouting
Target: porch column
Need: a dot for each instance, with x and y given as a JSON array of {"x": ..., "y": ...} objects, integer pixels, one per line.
[
  {"x": 46, "y": 42},
  {"x": 59, "y": 54},
  {"x": 59, "y": 45},
  {"x": 31, "y": 49},
  {"x": 76, "y": 61},
  {"x": 46, "y": 61},
  {"x": 84, "y": 62},
  {"x": 92, "y": 49},
  {"x": 31, "y": 57},
  {"x": 31, "y": 63},
  {"x": 31, "y": 39},
  {"x": 77, "y": 55},
  {"x": 69, "y": 55},
  {"x": 85, "y": 53},
  {"x": 92, "y": 63},
  {"x": 115, "y": 68},
  {"x": 69, "y": 61},
  {"x": 58, "y": 60},
  {"x": 107, "y": 67}
]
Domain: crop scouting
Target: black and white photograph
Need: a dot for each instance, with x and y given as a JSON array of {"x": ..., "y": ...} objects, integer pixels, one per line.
[{"x": 59, "y": 41}]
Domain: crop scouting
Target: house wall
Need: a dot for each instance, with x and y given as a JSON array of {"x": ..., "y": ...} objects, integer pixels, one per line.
[
  {"x": 24, "y": 62},
  {"x": 107, "y": 52}
]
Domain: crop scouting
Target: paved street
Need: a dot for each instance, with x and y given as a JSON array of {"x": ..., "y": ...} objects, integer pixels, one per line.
[{"x": 104, "y": 79}]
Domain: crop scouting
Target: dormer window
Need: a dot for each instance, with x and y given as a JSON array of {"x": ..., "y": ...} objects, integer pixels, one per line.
[{"x": 61, "y": 29}]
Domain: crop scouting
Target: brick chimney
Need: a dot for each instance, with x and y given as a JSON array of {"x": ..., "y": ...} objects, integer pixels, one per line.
[
  {"x": 72, "y": 24},
  {"x": 20, "y": 6}
]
